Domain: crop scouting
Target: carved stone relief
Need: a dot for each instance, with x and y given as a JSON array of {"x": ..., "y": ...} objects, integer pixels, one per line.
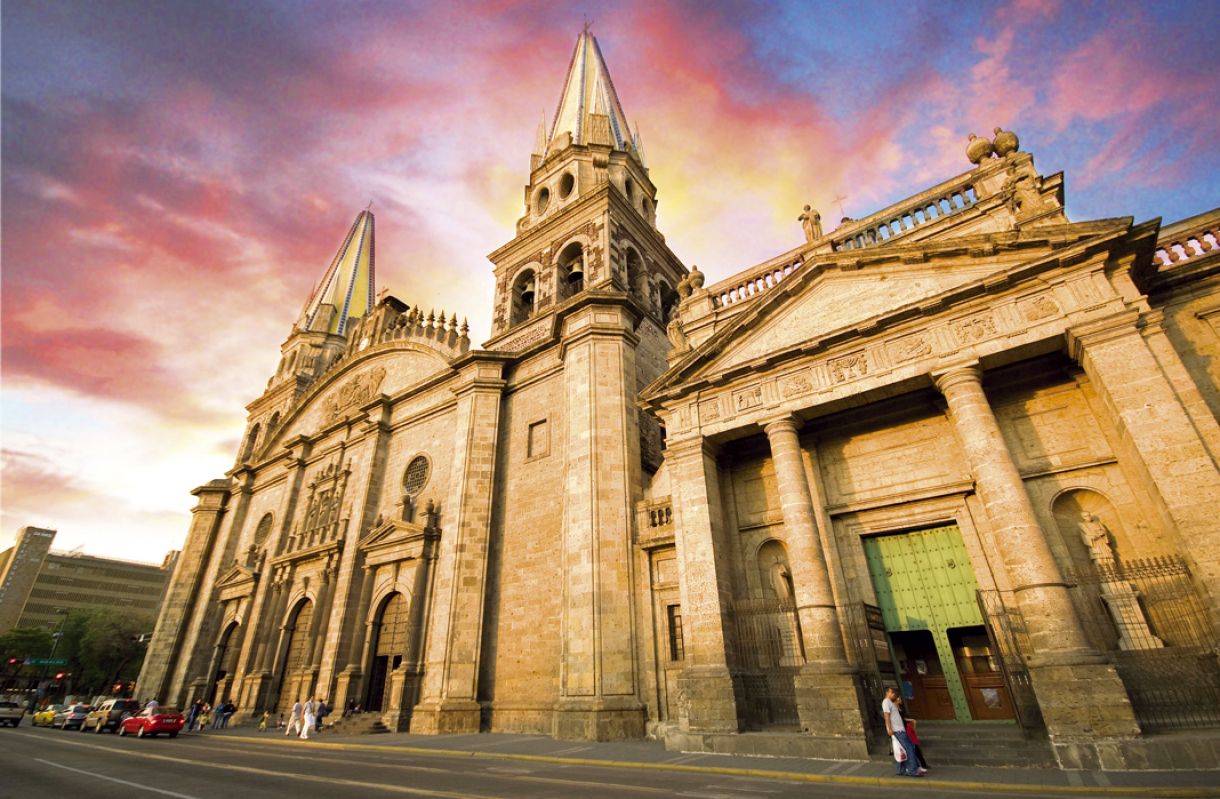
[
  {"x": 848, "y": 367},
  {"x": 749, "y": 398},
  {"x": 974, "y": 329},
  {"x": 709, "y": 411},
  {"x": 1040, "y": 307},
  {"x": 910, "y": 348},
  {"x": 795, "y": 385},
  {"x": 356, "y": 391}
]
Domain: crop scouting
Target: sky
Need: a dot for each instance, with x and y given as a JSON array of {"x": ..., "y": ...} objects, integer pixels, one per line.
[{"x": 177, "y": 176}]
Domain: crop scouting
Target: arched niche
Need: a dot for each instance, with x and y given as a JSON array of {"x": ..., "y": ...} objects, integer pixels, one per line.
[
  {"x": 571, "y": 266},
  {"x": 524, "y": 296},
  {"x": 1068, "y": 509}
]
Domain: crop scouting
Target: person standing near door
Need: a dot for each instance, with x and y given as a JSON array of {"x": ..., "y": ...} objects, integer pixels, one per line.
[{"x": 896, "y": 727}]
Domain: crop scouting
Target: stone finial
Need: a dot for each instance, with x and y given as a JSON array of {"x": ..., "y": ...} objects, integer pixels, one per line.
[
  {"x": 684, "y": 287},
  {"x": 1006, "y": 142},
  {"x": 696, "y": 279},
  {"x": 979, "y": 149}
]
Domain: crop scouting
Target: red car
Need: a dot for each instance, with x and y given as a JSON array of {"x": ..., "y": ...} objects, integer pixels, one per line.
[{"x": 151, "y": 721}]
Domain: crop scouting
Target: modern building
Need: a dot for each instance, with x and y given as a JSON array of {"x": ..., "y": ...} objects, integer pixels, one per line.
[
  {"x": 963, "y": 444},
  {"x": 39, "y": 587}
]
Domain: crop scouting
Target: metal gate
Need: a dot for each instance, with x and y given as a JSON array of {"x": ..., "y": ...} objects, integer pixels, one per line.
[{"x": 770, "y": 653}]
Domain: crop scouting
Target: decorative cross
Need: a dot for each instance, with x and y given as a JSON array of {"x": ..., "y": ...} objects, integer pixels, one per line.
[{"x": 839, "y": 199}]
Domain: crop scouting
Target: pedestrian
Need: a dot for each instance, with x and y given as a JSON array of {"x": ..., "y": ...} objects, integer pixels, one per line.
[
  {"x": 262, "y": 724},
  {"x": 279, "y": 720},
  {"x": 904, "y": 750},
  {"x": 350, "y": 709},
  {"x": 229, "y": 709},
  {"x": 294, "y": 719},
  {"x": 909, "y": 725},
  {"x": 205, "y": 717},
  {"x": 218, "y": 716},
  {"x": 193, "y": 714},
  {"x": 309, "y": 719},
  {"x": 323, "y": 709}
]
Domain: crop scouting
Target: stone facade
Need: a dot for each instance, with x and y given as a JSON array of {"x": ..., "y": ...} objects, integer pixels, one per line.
[{"x": 650, "y": 506}]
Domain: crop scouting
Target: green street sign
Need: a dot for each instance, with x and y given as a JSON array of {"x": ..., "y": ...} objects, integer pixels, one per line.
[{"x": 45, "y": 662}]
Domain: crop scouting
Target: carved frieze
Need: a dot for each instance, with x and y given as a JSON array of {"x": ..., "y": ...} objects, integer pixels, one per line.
[
  {"x": 527, "y": 338},
  {"x": 709, "y": 411},
  {"x": 848, "y": 367},
  {"x": 748, "y": 398},
  {"x": 910, "y": 347},
  {"x": 356, "y": 391},
  {"x": 973, "y": 329},
  {"x": 1040, "y": 307},
  {"x": 794, "y": 385}
]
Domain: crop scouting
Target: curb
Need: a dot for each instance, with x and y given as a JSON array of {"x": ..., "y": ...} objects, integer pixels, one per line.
[{"x": 1040, "y": 789}]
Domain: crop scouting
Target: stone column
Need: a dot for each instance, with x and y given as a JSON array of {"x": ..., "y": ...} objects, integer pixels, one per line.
[
  {"x": 599, "y": 686},
  {"x": 1080, "y": 694},
  {"x": 1162, "y": 439},
  {"x": 349, "y": 679},
  {"x": 449, "y": 695},
  {"x": 710, "y": 691},
  {"x": 827, "y": 699}
]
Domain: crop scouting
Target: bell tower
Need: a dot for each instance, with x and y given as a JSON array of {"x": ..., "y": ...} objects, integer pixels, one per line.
[
  {"x": 589, "y": 220},
  {"x": 589, "y": 276}
]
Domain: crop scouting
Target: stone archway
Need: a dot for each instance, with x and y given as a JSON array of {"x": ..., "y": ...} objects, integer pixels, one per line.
[
  {"x": 388, "y": 648},
  {"x": 296, "y": 655}
]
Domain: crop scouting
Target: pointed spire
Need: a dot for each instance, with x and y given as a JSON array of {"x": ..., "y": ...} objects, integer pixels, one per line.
[
  {"x": 638, "y": 143},
  {"x": 589, "y": 91},
  {"x": 540, "y": 141},
  {"x": 347, "y": 288}
]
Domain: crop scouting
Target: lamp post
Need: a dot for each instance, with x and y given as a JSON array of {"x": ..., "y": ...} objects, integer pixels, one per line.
[{"x": 55, "y": 636}]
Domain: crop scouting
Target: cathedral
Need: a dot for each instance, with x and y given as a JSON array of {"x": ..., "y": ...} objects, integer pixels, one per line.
[{"x": 962, "y": 446}]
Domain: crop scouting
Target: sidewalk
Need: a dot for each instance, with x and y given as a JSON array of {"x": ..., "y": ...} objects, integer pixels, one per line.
[{"x": 648, "y": 755}]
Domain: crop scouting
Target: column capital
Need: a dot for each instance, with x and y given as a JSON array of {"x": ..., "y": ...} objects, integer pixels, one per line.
[
  {"x": 780, "y": 422},
  {"x": 945, "y": 379}
]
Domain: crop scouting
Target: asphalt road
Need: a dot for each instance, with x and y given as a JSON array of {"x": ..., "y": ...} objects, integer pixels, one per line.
[{"x": 48, "y": 764}]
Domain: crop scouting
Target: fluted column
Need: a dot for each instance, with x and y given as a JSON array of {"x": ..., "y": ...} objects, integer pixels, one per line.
[
  {"x": 810, "y": 578},
  {"x": 1081, "y": 696},
  {"x": 711, "y": 690},
  {"x": 826, "y": 695}
]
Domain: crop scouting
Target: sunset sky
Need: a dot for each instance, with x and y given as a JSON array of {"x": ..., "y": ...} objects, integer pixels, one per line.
[{"x": 178, "y": 175}]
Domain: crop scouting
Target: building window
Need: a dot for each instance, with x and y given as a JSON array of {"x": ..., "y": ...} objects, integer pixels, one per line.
[
  {"x": 538, "y": 443},
  {"x": 676, "y": 649},
  {"x": 416, "y": 476}
]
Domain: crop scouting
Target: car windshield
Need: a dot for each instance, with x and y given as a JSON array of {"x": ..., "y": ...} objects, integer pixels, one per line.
[
  {"x": 55, "y": 708},
  {"x": 80, "y": 708}
]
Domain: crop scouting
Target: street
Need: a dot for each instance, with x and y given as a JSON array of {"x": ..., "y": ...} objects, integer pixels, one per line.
[{"x": 52, "y": 763}]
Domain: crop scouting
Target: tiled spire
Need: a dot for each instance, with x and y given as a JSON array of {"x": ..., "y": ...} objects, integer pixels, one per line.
[
  {"x": 347, "y": 288},
  {"x": 589, "y": 92}
]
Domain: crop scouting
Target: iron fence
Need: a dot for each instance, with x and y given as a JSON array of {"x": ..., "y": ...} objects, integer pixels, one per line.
[{"x": 770, "y": 654}]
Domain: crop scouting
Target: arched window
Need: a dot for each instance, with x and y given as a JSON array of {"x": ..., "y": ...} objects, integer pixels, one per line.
[
  {"x": 669, "y": 301},
  {"x": 525, "y": 290},
  {"x": 637, "y": 283},
  {"x": 251, "y": 440},
  {"x": 572, "y": 269},
  {"x": 275, "y": 421}
]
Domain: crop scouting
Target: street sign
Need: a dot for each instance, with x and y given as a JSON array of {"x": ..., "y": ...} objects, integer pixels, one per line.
[{"x": 45, "y": 662}]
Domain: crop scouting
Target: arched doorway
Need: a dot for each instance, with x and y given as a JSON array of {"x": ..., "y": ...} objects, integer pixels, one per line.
[
  {"x": 389, "y": 647},
  {"x": 226, "y": 663},
  {"x": 296, "y": 658}
]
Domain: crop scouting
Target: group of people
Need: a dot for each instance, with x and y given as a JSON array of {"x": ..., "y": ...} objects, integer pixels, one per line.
[
  {"x": 202, "y": 715},
  {"x": 307, "y": 717},
  {"x": 904, "y": 739}
]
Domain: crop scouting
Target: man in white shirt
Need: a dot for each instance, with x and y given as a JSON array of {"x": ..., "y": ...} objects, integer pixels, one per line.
[
  {"x": 898, "y": 732},
  {"x": 294, "y": 719}
]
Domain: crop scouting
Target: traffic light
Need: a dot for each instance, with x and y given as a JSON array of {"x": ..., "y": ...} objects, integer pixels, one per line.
[
  {"x": 14, "y": 661},
  {"x": 59, "y": 675}
]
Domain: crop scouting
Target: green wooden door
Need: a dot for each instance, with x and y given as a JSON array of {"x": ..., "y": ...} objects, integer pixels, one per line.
[{"x": 924, "y": 581}]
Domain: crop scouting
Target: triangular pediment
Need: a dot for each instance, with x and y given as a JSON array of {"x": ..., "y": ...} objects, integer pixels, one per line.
[
  {"x": 841, "y": 294},
  {"x": 237, "y": 576},
  {"x": 391, "y": 532}
]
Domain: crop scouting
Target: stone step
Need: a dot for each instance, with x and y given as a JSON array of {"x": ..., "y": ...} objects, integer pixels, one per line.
[{"x": 359, "y": 724}]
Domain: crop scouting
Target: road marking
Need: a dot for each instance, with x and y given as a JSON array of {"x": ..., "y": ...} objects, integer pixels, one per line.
[
  {"x": 852, "y": 769},
  {"x": 573, "y": 750},
  {"x": 95, "y": 775}
]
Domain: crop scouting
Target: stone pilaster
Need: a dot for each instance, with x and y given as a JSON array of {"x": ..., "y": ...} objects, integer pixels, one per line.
[
  {"x": 826, "y": 693},
  {"x": 183, "y": 593},
  {"x": 1164, "y": 441},
  {"x": 599, "y": 686},
  {"x": 449, "y": 694},
  {"x": 1082, "y": 699},
  {"x": 710, "y": 692},
  {"x": 350, "y": 680}
]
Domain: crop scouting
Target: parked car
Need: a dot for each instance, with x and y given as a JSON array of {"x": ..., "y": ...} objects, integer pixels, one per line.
[
  {"x": 108, "y": 714},
  {"x": 152, "y": 721},
  {"x": 44, "y": 717},
  {"x": 71, "y": 717},
  {"x": 11, "y": 713}
]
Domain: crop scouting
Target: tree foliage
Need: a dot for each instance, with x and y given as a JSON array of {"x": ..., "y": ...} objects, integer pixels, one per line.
[
  {"x": 101, "y": 648},
  {"x": 25, "y": 642}
]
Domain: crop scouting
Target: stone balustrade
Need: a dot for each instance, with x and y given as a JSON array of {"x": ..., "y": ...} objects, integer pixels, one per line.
[
  {"x": 656, "y": 521},
  {"x": 901, "y": 218},
  {"x": 750, "y": 284},
  {"x": 1188, "y": 239}
]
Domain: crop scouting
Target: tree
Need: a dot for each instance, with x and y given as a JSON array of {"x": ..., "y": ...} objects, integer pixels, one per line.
[
  {"x": 25, "y": 642},
  {"x": 102, "y": 649}
]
